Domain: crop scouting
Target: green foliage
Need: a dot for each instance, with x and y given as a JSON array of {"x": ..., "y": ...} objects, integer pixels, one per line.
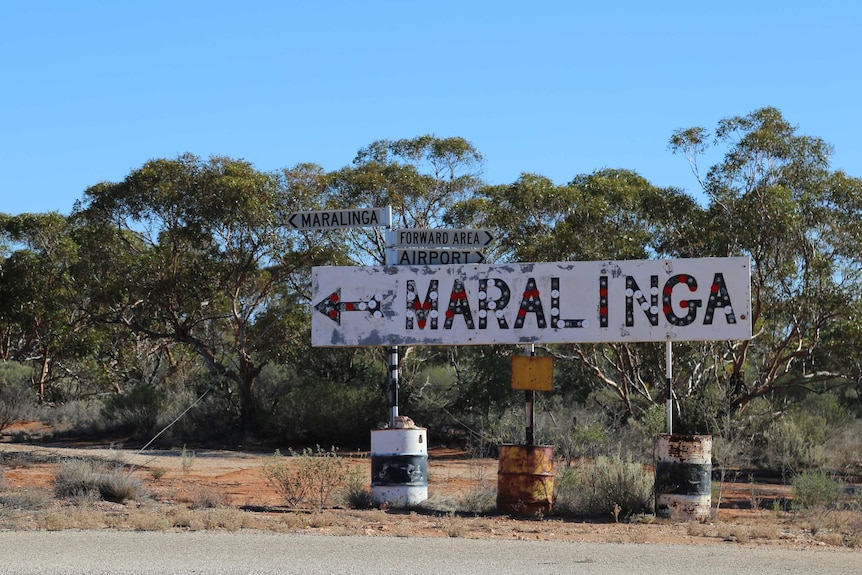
[
  {"x": 41, "y": 297},
  {"x": 192, "y": 252},
  {"x": 16, "y": 397},
  {"x": 796, "y": 440},
  {"x": 80, "y": 417},
  {"x": 574, "y": 431},
  {"x": 813, "y": 489},
  {"x": 610, "y": 487},
  {"x": 774, "y": 199},
  {"x": 328, "y": 411},
  {"x": 639, "y": 434},
  {"x": 355, "y": 492},
  {"x": 308, "y": 478},
  {"x": 186, "y": 266},
  {"x": 137, "y": 410}
]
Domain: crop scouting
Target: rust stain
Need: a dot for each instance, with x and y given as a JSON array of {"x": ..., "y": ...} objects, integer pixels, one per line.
[
  {"x": 525, "y": 481},
  {"x": 683, "y": 482}
]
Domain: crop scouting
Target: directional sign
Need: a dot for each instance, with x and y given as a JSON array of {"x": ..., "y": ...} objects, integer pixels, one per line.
[
  {"x": 432, "y": 257},
  {"x": 329, "y": 219},
  {"x": 418, "y": 238},
  {"x": 702, "y": 299}
]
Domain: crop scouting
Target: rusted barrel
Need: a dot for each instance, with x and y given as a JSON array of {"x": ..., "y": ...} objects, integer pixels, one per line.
[
  {"x": 683, "y": 476},
  {"x": 399, "y": 466},
  {"x": 525, "y": 480}
]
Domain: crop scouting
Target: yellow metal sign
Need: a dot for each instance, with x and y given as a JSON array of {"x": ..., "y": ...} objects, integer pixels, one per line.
[{"x": 532, "y": 373}]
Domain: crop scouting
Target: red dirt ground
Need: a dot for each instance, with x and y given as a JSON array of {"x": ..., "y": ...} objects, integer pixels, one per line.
[{"x": 236, "y": 479}]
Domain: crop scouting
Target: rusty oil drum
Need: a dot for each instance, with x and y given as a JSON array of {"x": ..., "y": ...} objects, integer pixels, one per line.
[
  {"x": 525, "y": 480},
  {"x": 683, "y": 476}
]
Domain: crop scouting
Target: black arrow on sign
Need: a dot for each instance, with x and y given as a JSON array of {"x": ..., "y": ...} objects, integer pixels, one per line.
[{"x": 332, "y": 307}]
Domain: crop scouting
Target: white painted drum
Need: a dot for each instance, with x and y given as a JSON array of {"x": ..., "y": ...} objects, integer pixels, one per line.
[
  {"x": 683, "y": 476},
  {"x": 399, "y": 466}
]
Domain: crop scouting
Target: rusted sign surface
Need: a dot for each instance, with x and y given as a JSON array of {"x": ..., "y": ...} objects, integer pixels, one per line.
[
  {"x": 532, "y": 373},
  {"x": 697, "y": 299}
]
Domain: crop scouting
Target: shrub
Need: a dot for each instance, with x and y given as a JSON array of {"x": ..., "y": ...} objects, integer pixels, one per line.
[
  {"x": 75, "y": 479},
  {"x": 816, "y": 489},
  {"x": 203, "y": 498},
  {"x": 355, "y": 492},
  {"x": 187, "y": 459},
  {"x": 576, "y": 432},
  {"x": 118, "y": 486},
  {"x": 81, "y": 479},
  {"x": 612, "y": 487},
  {"x": 310, "y": 479},
  {"x": 78, "y": 417},
  {"x": 16, "y": 399},
  {"x": 136, "y": 410},
  {"x": 26, "y": 499},
  {"x": 790, "y": 449}
]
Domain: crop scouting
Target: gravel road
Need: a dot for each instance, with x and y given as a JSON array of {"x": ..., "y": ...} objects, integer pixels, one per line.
[{"x": 205, "y": 553}]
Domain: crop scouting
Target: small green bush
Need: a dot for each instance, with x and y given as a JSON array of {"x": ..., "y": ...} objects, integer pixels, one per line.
[
  {"x": 813, "y": 489},
  {"x": 309, "y": 479},
  {"x": 355, "y": 492}
]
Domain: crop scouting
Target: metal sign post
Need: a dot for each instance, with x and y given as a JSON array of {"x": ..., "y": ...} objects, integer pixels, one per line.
[
  {"x": 393, "y": 361},
  {"x": 669, "y": 372},
  {"x": 531, "y": 404},
  {"x": 393, "y": 385}
]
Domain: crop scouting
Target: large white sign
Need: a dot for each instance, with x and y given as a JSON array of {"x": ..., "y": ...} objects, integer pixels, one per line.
[{"x": 568, "y": 302}]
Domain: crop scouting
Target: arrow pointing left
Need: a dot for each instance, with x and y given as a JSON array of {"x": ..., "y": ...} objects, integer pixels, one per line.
[{"x": 332, "y": 306}]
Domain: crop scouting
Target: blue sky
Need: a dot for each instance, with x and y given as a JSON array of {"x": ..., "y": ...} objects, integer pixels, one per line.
[{"x": 91, "y": 90}]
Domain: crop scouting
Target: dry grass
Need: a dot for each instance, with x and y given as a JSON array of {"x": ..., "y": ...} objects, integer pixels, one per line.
[{"x": 460, "y": 505}]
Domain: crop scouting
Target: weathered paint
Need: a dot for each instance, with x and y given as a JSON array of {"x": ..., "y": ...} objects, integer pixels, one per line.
[
  {"x": 683, "y": 476},
  {"x": 525, "y": 480},
  {"x": 698, "y": 299},
  {"x": 399, "y": 466}
]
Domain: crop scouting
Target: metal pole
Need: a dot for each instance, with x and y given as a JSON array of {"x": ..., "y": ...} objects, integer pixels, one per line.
[
  {"x": 393, "y": 385},
  {"x": 669, "y": 372},
  {"x": 390, "y": 260},
  {"x": 531, "y": 402}
]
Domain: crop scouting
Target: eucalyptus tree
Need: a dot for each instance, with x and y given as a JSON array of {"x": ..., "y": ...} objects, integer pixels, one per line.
[
  {"x": 606, "y": 215},
  {"x": 774, "y": 198},
  {"x": 42, "y": 312},
  {"x": 525, "y": 215},
  {"x": 194, "y": 253},
  {"x": 420, "y": 178}
]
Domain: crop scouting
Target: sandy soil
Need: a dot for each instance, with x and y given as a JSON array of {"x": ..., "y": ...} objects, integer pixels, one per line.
[{"x": 235, "y": 480}]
